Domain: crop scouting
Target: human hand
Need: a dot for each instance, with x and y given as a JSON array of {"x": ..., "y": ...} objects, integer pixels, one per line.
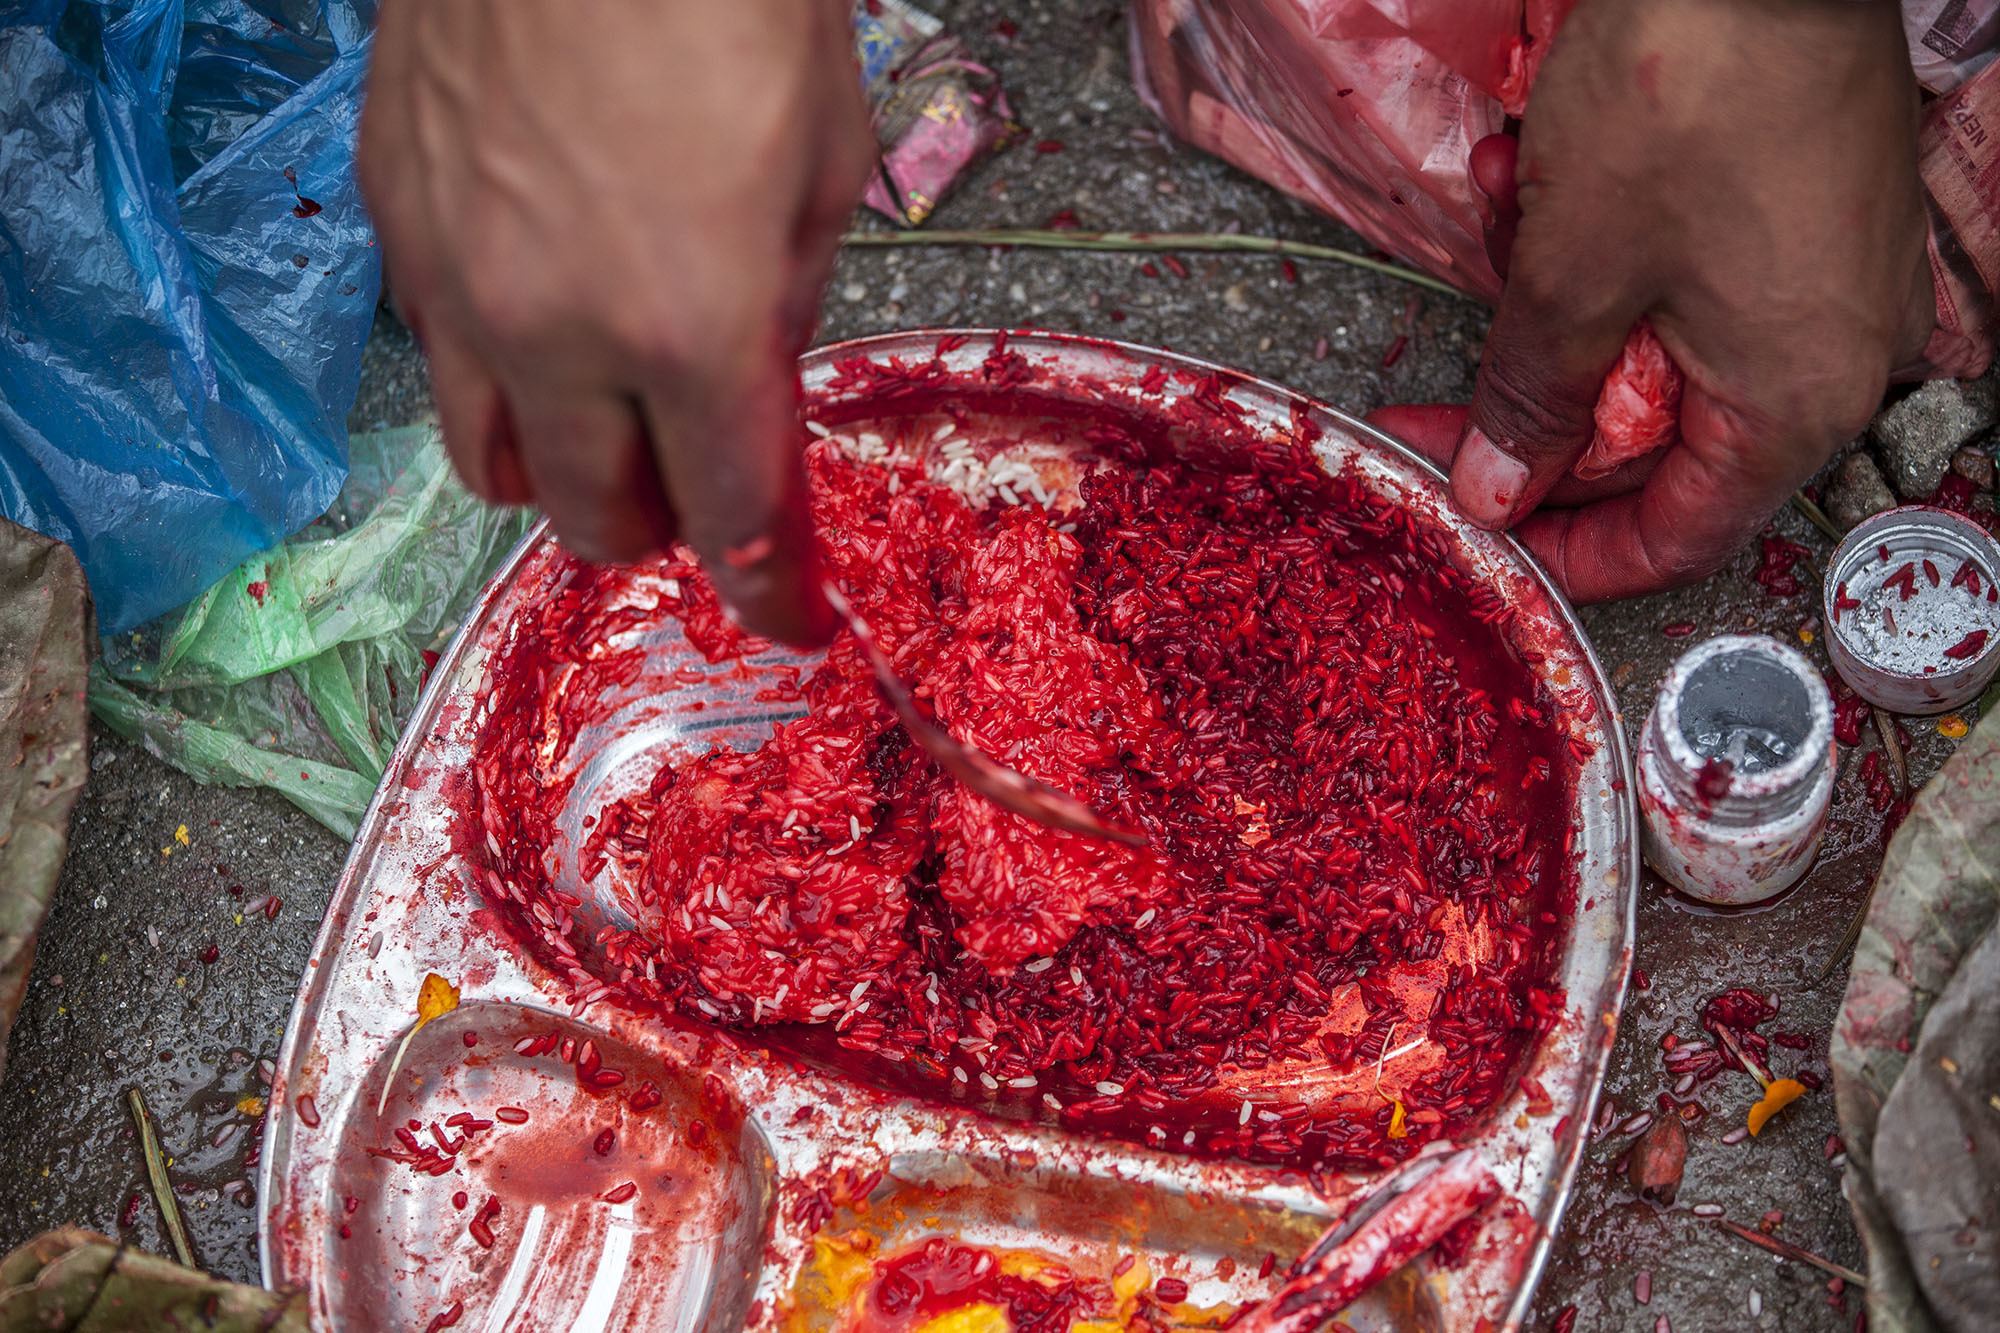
[
  {"x": 609, "y": 222},
  {"x": 1743, "y": 172}
]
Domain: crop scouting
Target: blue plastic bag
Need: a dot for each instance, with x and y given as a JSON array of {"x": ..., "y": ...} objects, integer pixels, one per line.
[{"x": 187, "y": 277}]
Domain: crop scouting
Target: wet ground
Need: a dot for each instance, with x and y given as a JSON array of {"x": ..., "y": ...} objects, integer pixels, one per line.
[{"x": 120, "y": 997}]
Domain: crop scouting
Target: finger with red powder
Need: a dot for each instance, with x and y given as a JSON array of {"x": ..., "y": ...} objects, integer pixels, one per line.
[
  {"x": 585, "y": 457},
  {"x": 737, "y": 477},
  {"x": 636, "y": 326},
  {"x": 1706, "y": 499},
  {"x": 1492, "y": 164},
  {"x": 472, "y": 415},
  {"x": 1433, "y": 430},
  {"x": 1557, "y": 331},
  {"x": 1744, "y": 177}
]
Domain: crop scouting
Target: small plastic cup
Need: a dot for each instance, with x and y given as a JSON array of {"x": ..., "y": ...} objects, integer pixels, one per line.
[{"x": 1912, "y": 609}]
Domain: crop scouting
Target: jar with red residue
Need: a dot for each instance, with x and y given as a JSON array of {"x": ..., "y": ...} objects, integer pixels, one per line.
[
  {"x": 1913, "y": 606},
  {"x": 1736, "y": 770}
]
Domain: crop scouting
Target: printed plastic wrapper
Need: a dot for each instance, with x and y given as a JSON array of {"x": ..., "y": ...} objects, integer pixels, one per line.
[
  {"x": 1951, "y": 40},
  {"x": 297, "y": 670},
  {"x": 936, "y": 110},
  {"x": 1638, "y": 409},
  {"x": 1368, "y": 110},
  {"x": 186, "y": 280}
]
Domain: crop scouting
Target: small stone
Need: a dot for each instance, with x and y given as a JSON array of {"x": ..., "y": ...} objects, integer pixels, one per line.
[
  {"x": 1976, "y": 465},
  {"x": 1918, "y": 434},
  {"x": 1857, "y": 491}
]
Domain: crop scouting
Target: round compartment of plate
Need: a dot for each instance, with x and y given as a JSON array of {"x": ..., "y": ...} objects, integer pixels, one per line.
[{"x": 605, "y": 1190}]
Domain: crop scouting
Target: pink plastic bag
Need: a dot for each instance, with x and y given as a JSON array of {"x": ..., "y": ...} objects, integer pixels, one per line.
[{"x": 1368, "y": 110}]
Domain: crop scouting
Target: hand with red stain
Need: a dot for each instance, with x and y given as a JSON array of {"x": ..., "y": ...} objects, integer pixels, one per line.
[
  {"x": 1743, "y": 176},
  {"x": 609, "y": 224}
]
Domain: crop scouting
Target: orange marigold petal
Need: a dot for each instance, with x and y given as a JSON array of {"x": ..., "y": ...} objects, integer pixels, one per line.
[
  {"x": 1781, "y": 1092},
  {"x": 1397, "y": 1129},
  {"x": 434, "y": 998}
]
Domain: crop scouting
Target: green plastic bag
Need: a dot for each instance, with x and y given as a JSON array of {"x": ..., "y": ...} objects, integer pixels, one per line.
[{"x": 297, "y": 671}]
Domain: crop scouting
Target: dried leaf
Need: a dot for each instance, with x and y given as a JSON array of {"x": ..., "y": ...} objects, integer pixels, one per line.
[
  {"x": 1781, "y": 1093},
  {"x": 87, "y": 1283},
  {"x": 1659, "y": 1159}
]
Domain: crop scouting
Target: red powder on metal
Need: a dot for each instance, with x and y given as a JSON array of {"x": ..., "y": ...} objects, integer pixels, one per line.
[{"x": 1354, "y": 792}]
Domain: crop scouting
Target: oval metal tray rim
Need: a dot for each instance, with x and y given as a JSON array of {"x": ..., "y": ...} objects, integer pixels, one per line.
[{"x": 352, "y": 889}]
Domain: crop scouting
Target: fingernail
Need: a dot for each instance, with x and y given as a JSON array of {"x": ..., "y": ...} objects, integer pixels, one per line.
[{"x": 1486, "y": 481}]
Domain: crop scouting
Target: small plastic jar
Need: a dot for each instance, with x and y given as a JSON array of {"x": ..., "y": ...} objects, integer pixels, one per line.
[
  {"x": 1912, "y": 609},
  {"x": 1736, "y": 769}
]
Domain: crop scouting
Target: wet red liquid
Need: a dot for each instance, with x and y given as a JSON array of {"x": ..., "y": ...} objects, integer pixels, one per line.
[
  {"x": 1354, "y": 791},
  {"x": 940, "y": 1275}
]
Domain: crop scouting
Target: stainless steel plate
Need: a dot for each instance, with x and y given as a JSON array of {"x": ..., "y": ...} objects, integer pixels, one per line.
[{"x": 747, "y": 1150}]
